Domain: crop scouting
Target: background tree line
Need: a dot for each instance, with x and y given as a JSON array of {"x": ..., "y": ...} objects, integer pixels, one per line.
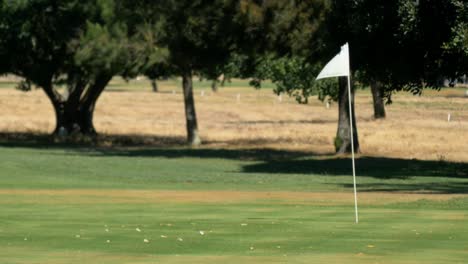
[{"x": 81, "y": 45}]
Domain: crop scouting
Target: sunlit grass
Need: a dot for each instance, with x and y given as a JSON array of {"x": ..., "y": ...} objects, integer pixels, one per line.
[{"x": 69, "y": 205}]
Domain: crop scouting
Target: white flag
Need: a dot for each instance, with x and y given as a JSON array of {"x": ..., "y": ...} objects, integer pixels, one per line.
[{"x": 338, "y": 66}]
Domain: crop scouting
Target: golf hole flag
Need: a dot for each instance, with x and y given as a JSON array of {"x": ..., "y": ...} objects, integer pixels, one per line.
[{"x": 337, "y": 67}]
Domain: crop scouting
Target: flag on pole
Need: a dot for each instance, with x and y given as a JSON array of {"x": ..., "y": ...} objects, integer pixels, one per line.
[{"x": 338, "y": 66}]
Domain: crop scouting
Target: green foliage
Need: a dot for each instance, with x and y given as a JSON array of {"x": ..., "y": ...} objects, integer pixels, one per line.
[
  {"x": 102, "y": 48},
  {"x": 236, "y": 66},
  {"x": 119, "y": 45},
  {"x": 402, "y": 43},
  {"x": 405, "y": 44},
  {"x": 107, "y": 10},
  {"x": 77, "y": 44},
  {"x": 82, "y": 39},
  {"x": 296, "y": 76},
  {"x": 287, "y": 46},
  {"x": 292, "y": 26},
  {"x": 455, "y": 50},
  {"x": 36, "y": 44},
  {"x": 24, "y": 85},
  {"x": 197, "y": 37},
  {"x": 203, "y": 35},
  {"x": 109, "y": 49}
]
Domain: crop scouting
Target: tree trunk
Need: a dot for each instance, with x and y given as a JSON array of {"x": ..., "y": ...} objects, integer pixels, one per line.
[
  {"x": 223, "y": 80},
  {"x": 190, "y": 114},
  {"x": 343, "y": 135},
  {"x": 74, "y": 114},
  {"x": 57, "y": 100},
  {"x": 214, "y": 86},
  {"x": 88, "y": 104},
  {"x": 86, "y": 123},
  {"x": 377, "y": 95},
  {"x": 74, "y": 121},
  {"x": 154, "y": 85},
  {"x": 61, "y": 127}
]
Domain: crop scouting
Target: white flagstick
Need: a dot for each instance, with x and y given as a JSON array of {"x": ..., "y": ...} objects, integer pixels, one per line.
[
  {"x": 352, "y": 148},
  {"x": 340, "y": 66}
]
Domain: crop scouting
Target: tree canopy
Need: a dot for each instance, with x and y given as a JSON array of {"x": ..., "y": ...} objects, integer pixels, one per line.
[
  {"x": 200, "y": 36},
  {"x": 79, "y": 45}
]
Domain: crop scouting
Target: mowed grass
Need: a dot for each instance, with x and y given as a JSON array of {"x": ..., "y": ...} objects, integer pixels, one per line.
[{"x": 178, "y": 205}]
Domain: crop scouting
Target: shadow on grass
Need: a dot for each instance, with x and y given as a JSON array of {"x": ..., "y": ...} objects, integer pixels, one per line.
[
  {"x": 41, "y": 140},
  {"x": 150, "y": 146},
  {"x": 452, "y": 177},
  {"x": 377, "y": 167},
  {"x": 448, "y": 177},
  {"x": 436, "y": 187}
]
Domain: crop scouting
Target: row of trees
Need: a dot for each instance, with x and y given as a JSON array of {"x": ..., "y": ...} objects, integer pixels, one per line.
[{"x": 80, "y": 45}]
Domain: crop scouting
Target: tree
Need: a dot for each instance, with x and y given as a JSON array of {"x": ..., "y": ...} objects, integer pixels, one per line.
[
  {"x": 158, "y": 71},
  {"x": 296, "y": 76},
  {"x": 392, "y": 43},
  {"x": 377, "y": 90},
  {"x": 37, "y": 45},
  {"x": 398, "y": 45},
  {"x": 236, "y": 66},
  {"x": 79, "y": 45},
  {"x": 402, "y": 45},
  {"x": 300, "y": 46},
  {"x": 199, "y": 35}
]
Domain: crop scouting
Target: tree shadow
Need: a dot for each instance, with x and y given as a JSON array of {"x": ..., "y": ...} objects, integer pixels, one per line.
[
  {"x": 244, "y": 154},
  {"x": 376, "y": 167},
  {"x": 42, "y": 140},
  {"x": 448, "y": 177},
  {"x": 394, "y": 174},
  {"x": 436, "y": 187},
  {"x": 149, "y": 146}
]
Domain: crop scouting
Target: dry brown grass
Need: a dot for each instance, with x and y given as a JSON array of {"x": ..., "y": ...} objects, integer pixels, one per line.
[
  {"x": 416, "y": 127},
  {"x": 23, "y": 255},
  {"x": 93, "y": 196}
]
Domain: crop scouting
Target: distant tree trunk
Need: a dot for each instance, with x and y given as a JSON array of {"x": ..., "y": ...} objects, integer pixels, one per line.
[
  {"x": 74, "y": 114},
  {"x": 214, "y": 86},
  {"x": 193, "y": 137},
  {"x": 223, "y": 79},
  {"x": 377, "y": 95},
  {"x": 154, "y": 85},
  {"x": 343, "y": 137}
]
